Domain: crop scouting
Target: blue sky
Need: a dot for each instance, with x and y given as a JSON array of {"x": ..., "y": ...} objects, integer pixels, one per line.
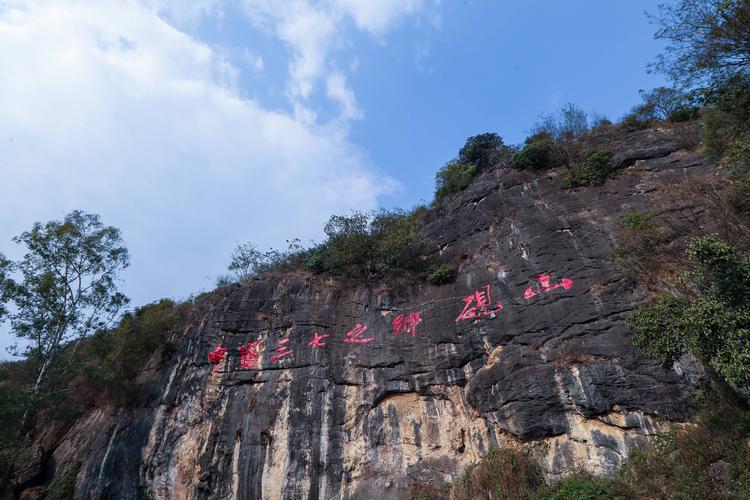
[{"x": 196, "y": 125}]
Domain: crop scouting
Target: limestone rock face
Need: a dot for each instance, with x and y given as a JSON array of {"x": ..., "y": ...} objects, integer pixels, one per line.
[{"x": 553, "y": 371}]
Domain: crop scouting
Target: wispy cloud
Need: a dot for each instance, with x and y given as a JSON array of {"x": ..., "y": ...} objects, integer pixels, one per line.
[
  {"x": 315, "y": 31},
  {"x": 113, "y": 107}
]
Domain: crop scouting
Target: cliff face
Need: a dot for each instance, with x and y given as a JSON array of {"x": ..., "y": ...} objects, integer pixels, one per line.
[{"x": 501, "y": 357}]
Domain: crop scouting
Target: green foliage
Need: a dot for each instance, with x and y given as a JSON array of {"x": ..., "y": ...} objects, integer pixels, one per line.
[
  {"x": 441, "y": 274},
  {"x": 707, "y": 40},
  {"x": 707, "y": 459},
  {"x": 664, "y": 103},
  {"x": 678, "y": 464},
  {"x": 452, "y": 178},
  {"x": 14, "y": 400},
  {"x": 6, "y": 285},
  {"x": 484, "y": 151},
  {"x": 359, "y": 245},
  {"x": 640, "y": 221},
  {"x": 68, "y": 286},
  {"x": 639, "y": 117},
  {"x": 369, "y": 245},
  {"x": 69, "y": 281},
  {"x": 726, "y": 124},
  {"x": 655, "y": 330},
  {"x": 478, "y": 154},
  {"x": 540, "y": 152},
  {"x": 715, "y": 326},
  {"x": 129, "y": 346},
  {"x": 502, "y": 473},
  {"x": 581, "y": 487},
  {"x": 247, "y": 260},
  {"x": 661, "y": 103},
  {"x": 683, "y": 114},
  {"x": 593, "y": 170}
]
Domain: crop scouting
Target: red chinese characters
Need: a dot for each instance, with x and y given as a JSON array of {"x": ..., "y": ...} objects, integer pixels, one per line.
[
  {"x": 282, "y": 350},
  {"x": 250, "y": 354},
  {"x": 482, "y": 305},
  {"x": 406, "y": 323},
  {"x": 216, "y": 356},
  {"x": 544, "y": 286},
  {"x": 318, "y": 340},
  {"x": 353, "y": 336}
]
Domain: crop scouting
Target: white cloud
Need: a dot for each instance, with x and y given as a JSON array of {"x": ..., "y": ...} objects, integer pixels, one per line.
[
  {"x": 111, "y": 107},
  {"x": 339, "y": 91},
  {"x": 378, "y": 16},
  {"x": 253, "y": 61},
  {"x": 106, "y": 107},
  {"x": 314, "y": 30}
]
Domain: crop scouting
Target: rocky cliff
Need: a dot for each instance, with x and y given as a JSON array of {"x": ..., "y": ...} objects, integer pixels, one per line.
[{"x": 333, "y": 389}]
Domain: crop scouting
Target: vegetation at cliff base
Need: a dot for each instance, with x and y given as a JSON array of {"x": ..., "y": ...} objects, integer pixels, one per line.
[{"x": 707, "y": 459}]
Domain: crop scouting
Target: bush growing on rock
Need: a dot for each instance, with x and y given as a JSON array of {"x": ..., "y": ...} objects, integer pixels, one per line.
[
  {"x": 539, "y": 152},
  {"x": 484, "y": 151},
  {"x": 370, "y": 245},
  {"x": 452, "y": 178},
  {"x": 480, "y": 153},
  {"x": 715, "y": 326},
  {"x": 593, "y": 170},
  {"x": 441, "y": 274}
]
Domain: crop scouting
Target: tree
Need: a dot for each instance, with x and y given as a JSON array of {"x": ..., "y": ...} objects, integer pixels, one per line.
[
  {"x": 67, "y": 287},
  {"x": 707, "y": 40},
  {"x": 664, "y": 102},
  {"x": 246, "y": 261},
  {"x": 567, "y": 125},
  {"x": 573, "y": 123},
  {"x": 540, "y": 152},
  {"x": 484, "y": 151},
  {"x": 6, "y": 267},
  {"x": 364, "y": 245}
]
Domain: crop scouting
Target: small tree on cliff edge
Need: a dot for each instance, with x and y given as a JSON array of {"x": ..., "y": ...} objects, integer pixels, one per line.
[
  {"x": 67, "y": 286},
  {"x": 708, "y": 41}
]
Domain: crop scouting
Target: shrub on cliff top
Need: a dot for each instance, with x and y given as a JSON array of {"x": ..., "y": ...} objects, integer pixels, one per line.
[
  {"x": 593, "y": 170},
  {"x": 539, "y": 152},
  {"x": 484, "y": 151},
  {"x": 452, "y": 178},
  {"x": 371, "y": 244}
]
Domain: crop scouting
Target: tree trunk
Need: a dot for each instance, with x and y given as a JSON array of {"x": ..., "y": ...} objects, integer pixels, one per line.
[{"x": 39, "y": 381}]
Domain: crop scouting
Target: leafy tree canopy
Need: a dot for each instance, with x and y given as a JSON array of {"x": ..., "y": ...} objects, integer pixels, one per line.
[
  {"x": 484, "y": 151},
  {"x": 707, "y": 40},
  {"x": 715, "y": 326}
]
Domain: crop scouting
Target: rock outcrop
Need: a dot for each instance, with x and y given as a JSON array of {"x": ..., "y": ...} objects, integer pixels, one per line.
[{"x": 553, "y": 371}]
